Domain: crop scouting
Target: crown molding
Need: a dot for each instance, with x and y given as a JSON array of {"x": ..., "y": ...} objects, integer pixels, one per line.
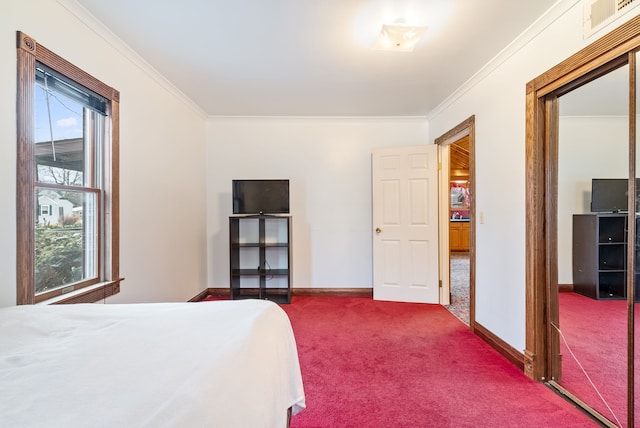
[
  {"x": 95, "y": 25},
  {"x": 289, "y": 117},
  {"x": 553, "y": 14}
]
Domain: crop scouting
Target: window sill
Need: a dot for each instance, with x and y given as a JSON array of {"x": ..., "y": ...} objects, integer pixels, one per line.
[{"x": 90, "y": 294}]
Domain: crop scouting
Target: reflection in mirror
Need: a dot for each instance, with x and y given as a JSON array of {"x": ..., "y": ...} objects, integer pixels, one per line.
[
  {"x": 636, "y": 287},
  {"x": 460, "y": 196},
  {"x": 591, "y": 245}
]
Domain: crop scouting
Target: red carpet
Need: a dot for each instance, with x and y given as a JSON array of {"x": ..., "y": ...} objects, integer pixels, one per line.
[
  {"x": 596, "y": 331},
  {"x": 382, "y": 364}
]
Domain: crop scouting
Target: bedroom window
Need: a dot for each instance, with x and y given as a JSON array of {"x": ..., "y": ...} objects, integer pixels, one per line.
[{"x": 67, "y": 175}]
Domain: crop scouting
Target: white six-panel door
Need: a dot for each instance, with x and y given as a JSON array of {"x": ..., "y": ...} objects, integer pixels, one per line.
[{"x": 405, "y": 224}]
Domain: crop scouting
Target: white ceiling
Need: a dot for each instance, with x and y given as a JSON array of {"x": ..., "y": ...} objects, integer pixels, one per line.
[{"x": 314, "y": 57}]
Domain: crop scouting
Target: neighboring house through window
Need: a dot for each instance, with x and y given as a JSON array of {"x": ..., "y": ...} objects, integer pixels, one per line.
[
  {"x": 67, "y": 211},
  {"x": 45, "y": 210}
]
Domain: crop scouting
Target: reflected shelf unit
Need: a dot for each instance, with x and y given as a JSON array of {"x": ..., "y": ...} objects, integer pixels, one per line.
[
  {"x": 600, "y": 255},
  {"x": 260, "y": 257}
]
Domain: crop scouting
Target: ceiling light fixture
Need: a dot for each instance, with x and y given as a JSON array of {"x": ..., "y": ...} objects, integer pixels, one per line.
[{"x": 399, "y": 37}]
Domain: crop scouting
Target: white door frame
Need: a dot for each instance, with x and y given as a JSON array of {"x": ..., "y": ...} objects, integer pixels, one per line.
[{"x": 443, "y": 223}]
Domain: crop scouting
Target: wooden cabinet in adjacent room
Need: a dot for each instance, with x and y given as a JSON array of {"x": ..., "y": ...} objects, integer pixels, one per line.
[{"x": 459, "y": 235}]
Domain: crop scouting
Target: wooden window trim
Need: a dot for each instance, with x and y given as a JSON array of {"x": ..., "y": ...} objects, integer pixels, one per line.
[{"x": 28, "y": 53}]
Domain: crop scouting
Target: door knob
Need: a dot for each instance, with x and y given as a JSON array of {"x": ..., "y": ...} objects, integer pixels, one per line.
[{"x": 378, "y": 230}]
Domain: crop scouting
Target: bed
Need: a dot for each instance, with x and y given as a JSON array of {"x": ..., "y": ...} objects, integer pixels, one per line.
[{"x": 214, "y": 364}]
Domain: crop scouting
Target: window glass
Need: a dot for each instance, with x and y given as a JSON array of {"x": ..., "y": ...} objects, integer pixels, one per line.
[
  {"x": 68, "y": 146},
  {"x": 65, "y": 120},
  {"x": 66, "y": 241}
]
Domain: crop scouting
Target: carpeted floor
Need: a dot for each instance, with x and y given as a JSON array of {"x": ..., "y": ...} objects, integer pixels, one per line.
[
  {"x": 594, "y": 357},
  {"x": 374, "y": 364},
  {"x": 459, "y": 286}
]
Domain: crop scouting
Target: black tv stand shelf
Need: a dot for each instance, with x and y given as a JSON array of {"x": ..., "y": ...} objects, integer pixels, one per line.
[
  {"x": 600, "y": 256},
  {"x": 260, "y": 257}
]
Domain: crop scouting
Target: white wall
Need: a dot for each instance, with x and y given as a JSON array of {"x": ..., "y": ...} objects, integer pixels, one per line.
[
  {"x": 328, "y": 161},
  {"x": 496, "y": 95},
  {"x": 162, "y": 148},
  {"x": 7, "y": 157},
  {"x": 590, "y": 147}
]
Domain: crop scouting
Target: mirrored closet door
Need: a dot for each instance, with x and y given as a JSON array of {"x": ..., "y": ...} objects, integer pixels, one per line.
[
  {"x": 583, "y": 250},
  {"x": 592, "y": 237}
]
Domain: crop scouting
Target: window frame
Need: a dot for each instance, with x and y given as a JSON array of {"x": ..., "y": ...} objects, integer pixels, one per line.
[{"x": 29, "y": 52}]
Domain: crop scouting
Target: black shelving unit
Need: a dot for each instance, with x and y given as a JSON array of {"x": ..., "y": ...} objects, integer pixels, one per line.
[
  {"x": 260, "y": 257},
  {"x": 600, "y": 256}
]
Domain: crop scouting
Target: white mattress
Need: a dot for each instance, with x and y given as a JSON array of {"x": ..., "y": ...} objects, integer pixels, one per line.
[{"x": 216, "y": 364}]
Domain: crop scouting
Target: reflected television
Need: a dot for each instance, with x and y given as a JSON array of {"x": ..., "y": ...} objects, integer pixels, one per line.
[
  {"x": 610, "y": 194},
  {"x": 262, "y": 197}
]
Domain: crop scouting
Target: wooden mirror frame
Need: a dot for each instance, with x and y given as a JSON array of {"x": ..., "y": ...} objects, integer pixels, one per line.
[{"x": 542, "y": 118}]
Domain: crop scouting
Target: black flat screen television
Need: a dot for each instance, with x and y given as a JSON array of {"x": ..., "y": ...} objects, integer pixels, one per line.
[
  {"x": 610, "y": 194},
  {"x": 260, "y": 196}
]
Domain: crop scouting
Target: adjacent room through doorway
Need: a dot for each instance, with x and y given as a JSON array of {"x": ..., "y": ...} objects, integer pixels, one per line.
[
  {"x": 459, "y": 228},
  {"x": 458, "y": 220}
]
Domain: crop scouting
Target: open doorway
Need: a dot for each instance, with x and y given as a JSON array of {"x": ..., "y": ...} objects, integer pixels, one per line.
[
  {"x": 457, "y": 213},
  {"x": 459, "y": 228}
]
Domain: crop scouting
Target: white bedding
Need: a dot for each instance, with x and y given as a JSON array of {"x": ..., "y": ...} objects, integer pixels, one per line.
[{"x": 221, "y": 364}]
